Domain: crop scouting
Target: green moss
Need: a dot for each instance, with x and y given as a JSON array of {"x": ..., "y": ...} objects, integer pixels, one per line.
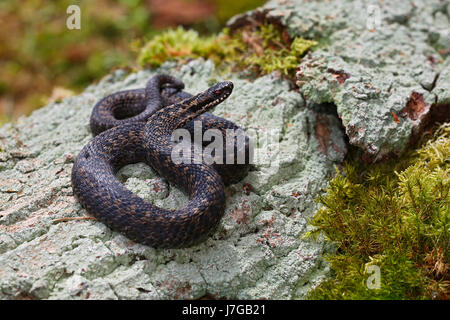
[
  {"x": 261, "y": 48},
  {"x": 173, "y": 44},
  {"x": 274, "y": 54},
  {"x": 394, "y": 215}
]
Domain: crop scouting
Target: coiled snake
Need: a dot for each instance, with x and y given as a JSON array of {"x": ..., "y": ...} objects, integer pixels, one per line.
[{"x": 136, "y": 126}]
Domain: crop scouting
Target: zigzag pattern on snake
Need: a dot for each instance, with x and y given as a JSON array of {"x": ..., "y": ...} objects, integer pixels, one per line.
[{"x": 136, "y": 126}]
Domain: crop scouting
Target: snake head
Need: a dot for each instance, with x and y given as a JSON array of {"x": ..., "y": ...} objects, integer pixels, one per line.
[
  {"x": 190, "y": 108},
  {"x": 209, "y": 98},
  {"x": 220, "y": 92}
]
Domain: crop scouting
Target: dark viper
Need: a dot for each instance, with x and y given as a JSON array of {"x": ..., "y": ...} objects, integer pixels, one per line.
[{"x": 136, "y": 126}]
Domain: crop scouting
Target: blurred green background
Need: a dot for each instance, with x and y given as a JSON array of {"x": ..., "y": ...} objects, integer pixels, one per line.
[{"x": 42, "y": 60}]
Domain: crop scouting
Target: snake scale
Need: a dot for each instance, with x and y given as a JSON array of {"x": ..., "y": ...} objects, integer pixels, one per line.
[{"x": 136, "y": 126}]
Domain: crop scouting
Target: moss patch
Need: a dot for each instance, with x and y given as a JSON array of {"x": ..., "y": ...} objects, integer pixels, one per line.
[
  {"x": 263, "y": 48},
  {"x": 393, "y": 215}
]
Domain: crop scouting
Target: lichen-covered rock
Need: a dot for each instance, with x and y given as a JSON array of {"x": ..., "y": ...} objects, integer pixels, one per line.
[
  {"x": 257, "y": 251},
  {"x": 442, "y": 87},
  {"x": 383, "y": 64}
]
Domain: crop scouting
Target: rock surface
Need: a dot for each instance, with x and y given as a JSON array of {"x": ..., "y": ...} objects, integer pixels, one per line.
[
  {"x": 257, "y": 251},
  {"x": 383, "y": 64}
]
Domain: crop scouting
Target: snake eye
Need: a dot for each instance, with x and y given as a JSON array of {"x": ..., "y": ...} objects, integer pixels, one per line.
[{"x": 218, "y": 92}]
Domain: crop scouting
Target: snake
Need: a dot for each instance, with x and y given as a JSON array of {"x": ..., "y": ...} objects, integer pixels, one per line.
[{"x": 136, "y": 125}]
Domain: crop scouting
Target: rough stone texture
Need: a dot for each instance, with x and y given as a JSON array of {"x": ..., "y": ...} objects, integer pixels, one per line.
[
  {"x": 383, "y": 64},
  {"x": 257, "y": 251}
]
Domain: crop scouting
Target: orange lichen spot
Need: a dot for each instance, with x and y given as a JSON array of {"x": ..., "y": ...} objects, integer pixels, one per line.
[{"x": 395, "y": 118}]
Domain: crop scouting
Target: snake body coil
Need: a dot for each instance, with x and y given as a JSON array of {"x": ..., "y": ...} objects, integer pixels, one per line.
[{"x": 136, "y": 126}]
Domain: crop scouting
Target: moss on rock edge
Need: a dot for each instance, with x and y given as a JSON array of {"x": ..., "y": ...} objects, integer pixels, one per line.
[
  {"x": 394, "y": 215},
  {"x": 262, "y": 48}
]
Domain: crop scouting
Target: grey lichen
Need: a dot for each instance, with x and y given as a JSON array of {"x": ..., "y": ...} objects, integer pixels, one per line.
[
  {"x": 379, "y": 64},
  {"x": 257, "y": 251}
]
